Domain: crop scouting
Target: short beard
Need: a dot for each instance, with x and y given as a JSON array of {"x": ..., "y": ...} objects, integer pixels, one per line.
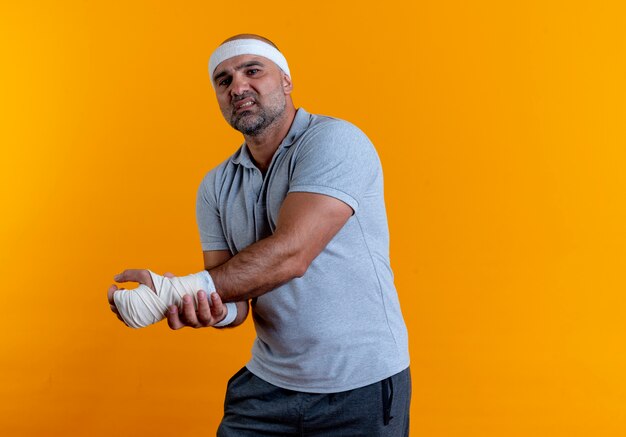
[{"x": 254, "y": 125}]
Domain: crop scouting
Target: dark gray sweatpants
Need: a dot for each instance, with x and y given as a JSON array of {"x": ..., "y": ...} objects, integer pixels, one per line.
[{"x": 254, "y": 407}]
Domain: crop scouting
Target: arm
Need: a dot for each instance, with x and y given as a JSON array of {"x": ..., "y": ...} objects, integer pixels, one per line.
[
  {"x": 306, "y": 224},
  {"x": 206, "y": 315}
]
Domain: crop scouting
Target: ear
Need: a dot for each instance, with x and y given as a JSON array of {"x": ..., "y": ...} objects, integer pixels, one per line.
[{"x": 287, "y": 84}]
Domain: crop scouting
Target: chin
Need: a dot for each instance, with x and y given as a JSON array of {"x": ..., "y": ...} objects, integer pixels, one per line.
[{"x": 248, "y": 126}]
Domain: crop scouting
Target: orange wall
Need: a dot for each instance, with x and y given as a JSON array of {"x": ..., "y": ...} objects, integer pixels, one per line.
[{"x": 501, "y": 130}]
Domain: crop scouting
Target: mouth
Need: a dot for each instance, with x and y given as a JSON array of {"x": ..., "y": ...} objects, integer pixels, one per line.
[{"x": 244, "y": 105}]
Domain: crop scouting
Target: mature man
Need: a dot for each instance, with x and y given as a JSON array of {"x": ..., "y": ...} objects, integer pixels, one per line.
[{"x": 294, "y": 223}]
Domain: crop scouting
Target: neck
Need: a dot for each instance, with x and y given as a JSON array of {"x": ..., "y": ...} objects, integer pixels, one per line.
[{"x": 263, "y": 146}]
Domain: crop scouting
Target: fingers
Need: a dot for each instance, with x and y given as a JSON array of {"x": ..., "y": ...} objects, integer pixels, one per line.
[
  {"x": 204, "y": 310},
  {"x": 186, "y": 317},
  {"x": 173, "y": 318},
  {"x": 189, "y": 312},
  {"x": 218, "y": 309},
  {"x": 135, "y": 275},
  {"x": 206, "y": 314},
  {"x": 112, "y": 289}
]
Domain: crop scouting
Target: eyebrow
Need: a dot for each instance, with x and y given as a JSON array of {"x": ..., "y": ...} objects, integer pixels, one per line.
[{"x": 239, "y": 67}]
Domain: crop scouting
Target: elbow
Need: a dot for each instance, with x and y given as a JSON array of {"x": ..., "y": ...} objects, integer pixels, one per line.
[
  {"x": 294, "y": 259},
  {"x": 300, "y": 271},
  {"x": 299, "y": 266}
]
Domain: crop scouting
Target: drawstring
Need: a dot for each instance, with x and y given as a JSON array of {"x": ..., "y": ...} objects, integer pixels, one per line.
[{"x": 387, "y": 400}]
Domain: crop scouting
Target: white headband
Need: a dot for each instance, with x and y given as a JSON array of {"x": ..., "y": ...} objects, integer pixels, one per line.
[{"x": 238, "y": 47}]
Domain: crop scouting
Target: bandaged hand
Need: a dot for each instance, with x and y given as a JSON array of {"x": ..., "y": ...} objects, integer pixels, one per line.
[{"x": 149, "y": 303}]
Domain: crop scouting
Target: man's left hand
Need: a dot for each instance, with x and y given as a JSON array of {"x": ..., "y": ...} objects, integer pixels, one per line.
[{"x": 204, "y": 316}]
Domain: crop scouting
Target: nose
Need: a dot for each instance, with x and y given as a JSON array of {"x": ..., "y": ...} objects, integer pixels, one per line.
[{"x": 239, "y": 85}]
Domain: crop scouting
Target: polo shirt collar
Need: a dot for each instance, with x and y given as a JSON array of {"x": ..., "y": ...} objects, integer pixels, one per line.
[{"x": 298, "y": 126}]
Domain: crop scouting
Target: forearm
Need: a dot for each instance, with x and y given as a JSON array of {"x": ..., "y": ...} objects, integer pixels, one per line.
[
  {"x": 306, "y": 224},
  {"x": 259, "y": 268}
]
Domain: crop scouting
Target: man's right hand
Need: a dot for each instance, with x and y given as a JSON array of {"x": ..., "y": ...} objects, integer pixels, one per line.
[{"x": 141, "y": 276}]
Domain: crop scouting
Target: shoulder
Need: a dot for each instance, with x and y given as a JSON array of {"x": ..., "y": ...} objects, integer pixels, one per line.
[
  {"x": 335, "y": 128},
  {"x": 334, "y": 157},
  {"x": 330, "y": 136}
]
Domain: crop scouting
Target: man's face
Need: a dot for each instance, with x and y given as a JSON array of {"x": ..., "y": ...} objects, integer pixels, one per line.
[{"x": 250, "y": 92}]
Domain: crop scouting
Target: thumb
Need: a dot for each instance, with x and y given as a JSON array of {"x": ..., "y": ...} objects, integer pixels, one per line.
[{"x": 135, "y": 275}]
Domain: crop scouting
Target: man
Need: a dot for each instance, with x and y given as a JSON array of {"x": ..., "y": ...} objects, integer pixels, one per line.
[{"x": 294, "y": 223}]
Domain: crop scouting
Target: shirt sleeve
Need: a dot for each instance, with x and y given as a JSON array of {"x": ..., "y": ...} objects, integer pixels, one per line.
[
  {"x": 337, "y": 160},
  {"x": 208, "y": 216}
]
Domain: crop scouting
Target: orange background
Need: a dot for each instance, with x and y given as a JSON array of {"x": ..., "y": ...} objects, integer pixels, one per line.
[{"x": 501, "y": 130}]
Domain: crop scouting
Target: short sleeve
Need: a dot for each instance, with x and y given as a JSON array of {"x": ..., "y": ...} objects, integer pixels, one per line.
[
  {"x": 337, "y": 160},
  {"x": 208, "y": 216}
]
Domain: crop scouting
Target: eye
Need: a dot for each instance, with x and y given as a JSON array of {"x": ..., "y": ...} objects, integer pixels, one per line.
[
  {"x": 224, "y": 82},
  {"x": 253, "y": 71}
]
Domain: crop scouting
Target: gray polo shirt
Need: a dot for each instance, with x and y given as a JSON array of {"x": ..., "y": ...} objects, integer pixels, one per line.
[{"x": 339, "y": 326}]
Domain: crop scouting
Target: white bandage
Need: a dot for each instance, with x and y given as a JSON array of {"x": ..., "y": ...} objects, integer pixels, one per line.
[
  {"x": 238, "y": 47},
  {"x": 142, "y": 306}
]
